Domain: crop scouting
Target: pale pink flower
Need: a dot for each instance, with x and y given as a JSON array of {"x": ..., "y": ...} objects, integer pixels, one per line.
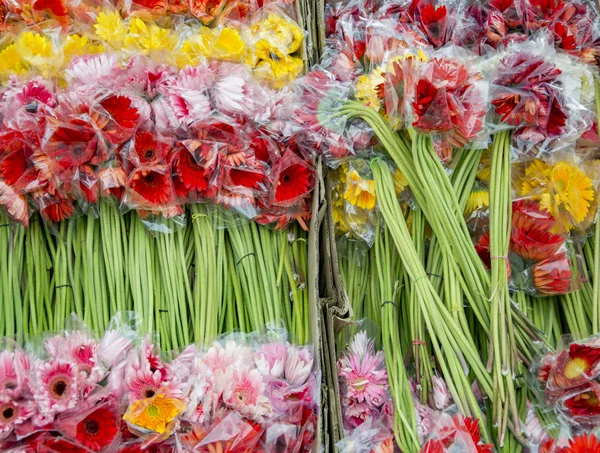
[
  {"x": 298, "y": 365},
  {"x": 536, "y": 432},
  {"x": 14, "y": 371},
  {"x": 235, "y": 91},
  {"x": 244, "y": 391},
  {"x": 270, "y": 359},
  {"x": 363, "y": 371},
  {"x": 94, "y": 70},
  {"x": 55, "y": 387},
  {"x": 24, "y": 103},
  {"x": 13, "y": 413},
  {"x": 219, "y": 358},
  {"x": 425, "y": 418},
  {"x": 113, "y": 348},
  {"x": 441, "y": 396},
  {"x": 355, "y": 413}
]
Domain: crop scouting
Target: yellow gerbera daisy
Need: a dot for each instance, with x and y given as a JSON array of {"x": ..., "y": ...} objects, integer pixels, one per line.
[
  {"x": 11, "y": 62},
  {"x": 148, "y": 37},
  {"x": 276, "y": 37},
  {"x": 154, "y": 414},
  {"x": 279, "y": 73},
  {"x": 33, "y": 47},
  {"x": 563, "y": 189},
  {"x": 366, "y": 90},
  {"x": 360, "y": 192},
  {"x": 339, "y": 220},
  {"x": 109, "y": 26},
  {"x": 479, "y": 198},
  {"x": 80, "y": 45},
  {"x": 218, "y": 44}
]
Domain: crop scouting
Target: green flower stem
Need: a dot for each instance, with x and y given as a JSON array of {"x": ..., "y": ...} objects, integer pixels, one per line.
[
  {"x": 449, "y": 343},
  {"x": 405, "y": 428}
]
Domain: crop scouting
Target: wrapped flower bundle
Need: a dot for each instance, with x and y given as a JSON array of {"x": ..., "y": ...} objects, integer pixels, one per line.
[
  {"x": 170, "y": 129},
  {"x": 77, "y": 393},
  {"x": 463, "y": 143}
]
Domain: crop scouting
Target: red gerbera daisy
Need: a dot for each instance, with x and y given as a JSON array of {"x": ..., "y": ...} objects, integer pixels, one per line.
[
  {"x": 575, "y": 366},
  {"x": 250, "y": 178},
  {"x": 585, "y": 443},
  {"x": 146, "y": 151},
  {"x": 123, "y": 118},
  {"x": 553, "y": 275},
  {"x": 292, "y": 182},
  {"x": 57, "y": 8},
  {"x": 194, "y": 168},
  {"x": 448, "y": 434},
  {"x": 534, "y": 244},
  {"x": 53, "y": 205},
  {"x": 97, "y": 430},
  {"x": 565, "y": 39},
  {"x": 584, "y": 404},
  {"x": 73, "y": 144},
  {"x": 151, "y": 184},
  {"x": 431, "y": 108},
  {"x": 433, "y": 23}
]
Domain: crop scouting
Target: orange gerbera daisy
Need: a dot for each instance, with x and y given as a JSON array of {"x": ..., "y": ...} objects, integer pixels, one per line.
[
  {"x": 585, "y": 443},
  {"x": 553, "y": 275}
]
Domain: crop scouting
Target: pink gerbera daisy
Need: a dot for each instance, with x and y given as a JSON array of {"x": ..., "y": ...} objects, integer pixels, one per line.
[
  {"x": 14, "y": 369},
  {"x": 142, "y": 384},
  {"x": 298, "y": 365},
  {"x": 244, "y": 391},
  {"x": 13, "y": 413},
  {"x": 78, "y": 348},
  {"x": 56, "y": 387},
  {"x": 363, "y": 371}
]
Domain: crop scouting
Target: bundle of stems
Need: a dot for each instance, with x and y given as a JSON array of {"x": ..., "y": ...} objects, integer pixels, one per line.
[
  {"x": 405, "y": 428},
  {"x": 453, "y": 350},
  {"x": 502, "y": 355}
]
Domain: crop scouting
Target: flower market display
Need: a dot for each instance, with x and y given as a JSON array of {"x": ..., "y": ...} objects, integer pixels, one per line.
[
  {"x": 74, "y": 392},
  {"x": 462, "y": 141}
]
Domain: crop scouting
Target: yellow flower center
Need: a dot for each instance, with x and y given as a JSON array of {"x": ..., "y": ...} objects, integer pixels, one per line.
[
  {"x": 575, "y": 368},
  {"x": 153, "y": 411}
]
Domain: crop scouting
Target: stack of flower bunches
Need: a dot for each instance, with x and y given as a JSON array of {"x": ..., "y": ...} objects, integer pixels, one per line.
[
  {"x": 471, "y": 140},
  {"x": 149, "y": 162},
  {"x": 79, "y": 393}
]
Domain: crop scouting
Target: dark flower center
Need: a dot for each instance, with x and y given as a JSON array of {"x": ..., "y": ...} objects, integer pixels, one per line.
[
  {"x": 286, "y": 177},
  {"x": 149, "y": 393},
  {"x": 8, "y": 413},
  {"x": 150, "y": 178},
  {"x": 150, "y": 154},
  {"x": 92, "y": 427},
  {"x": 59, "y": 387},
  {"x": 31, "y": 107},
  {"x": 10, "y": 385}
]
